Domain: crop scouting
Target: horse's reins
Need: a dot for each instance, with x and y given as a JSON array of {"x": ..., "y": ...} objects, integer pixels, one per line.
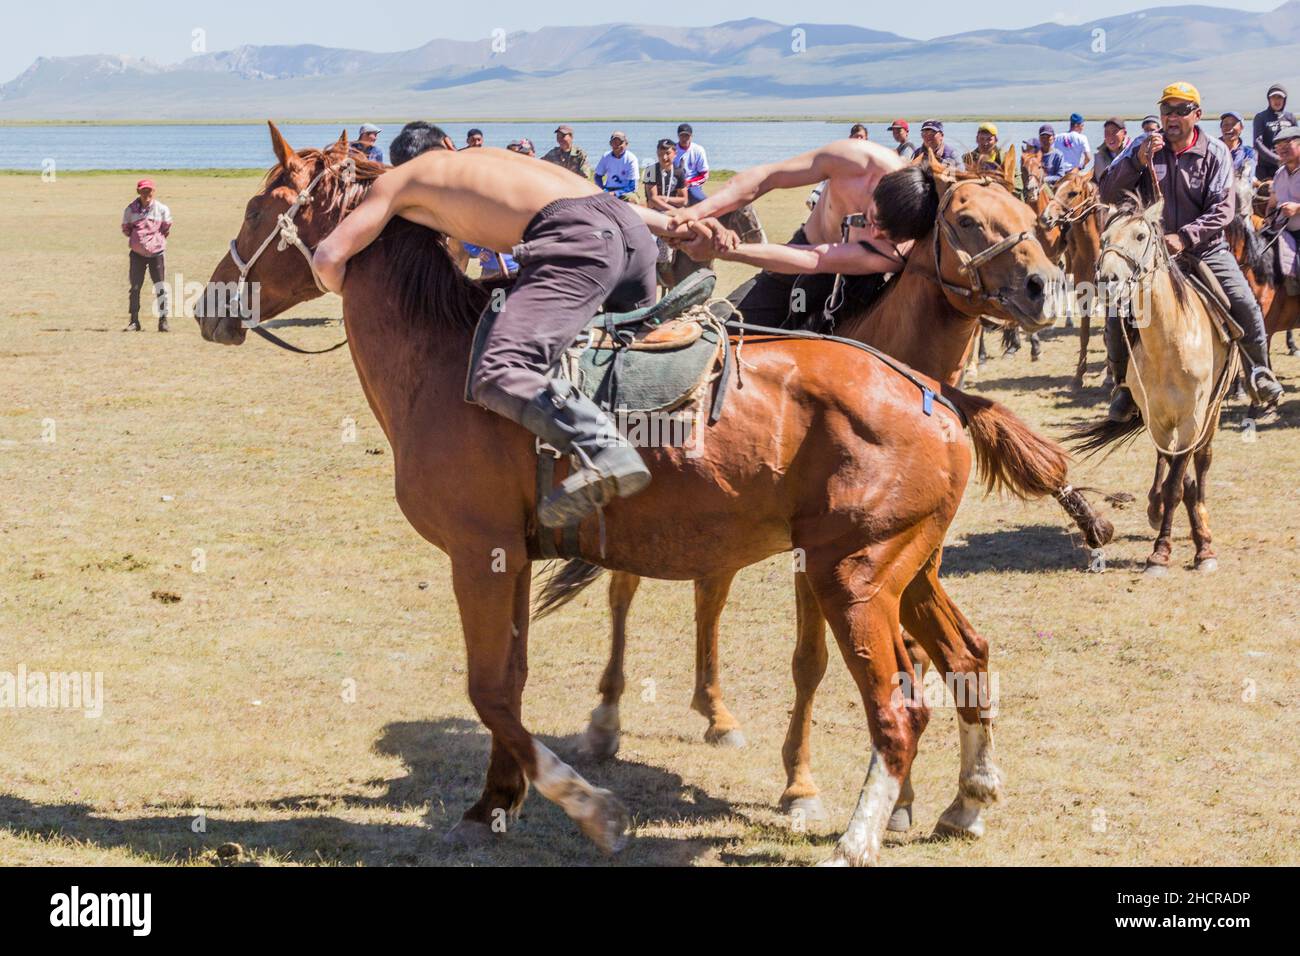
[
  {"x": 968, "y": 264},
  {"x": 287, "y": 231}
]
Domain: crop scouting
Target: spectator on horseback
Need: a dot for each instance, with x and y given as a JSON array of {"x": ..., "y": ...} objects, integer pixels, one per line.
[
  {"x": 147, "y": 223},
  {"x": 695, "y": 161},
  {"x": 618, "y": 170},
  {"x": 365, "y": 143},
  {"x": 1266, "y": 126},
  {"x": 1114, "y": 139},
  {"x": 1074, "y": 146},
  {"x": 1243, "y": 156},
  {"x": 987, "y": 156},
  {"x": 1193, "y": 174},
  {"x": 564, "y": 153},
  {"x": 1284, "y": 202},
  {"x": 932, "y": 139},
  {"x": 899, "y": 129},
  {"x": 1053, "y": 159}
]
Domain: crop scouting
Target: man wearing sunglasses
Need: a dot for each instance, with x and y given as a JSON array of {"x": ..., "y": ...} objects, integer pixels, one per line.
[{"x": 1195, "y": 175}]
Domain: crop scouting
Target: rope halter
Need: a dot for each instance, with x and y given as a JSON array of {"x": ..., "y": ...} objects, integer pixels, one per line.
[{"x": 969, "y": 265}]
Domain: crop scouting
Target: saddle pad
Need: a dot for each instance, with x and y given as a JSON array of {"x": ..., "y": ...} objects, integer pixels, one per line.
[
  {"x": 1216, "y": 300},
  {"x": 648, "y": 379}
]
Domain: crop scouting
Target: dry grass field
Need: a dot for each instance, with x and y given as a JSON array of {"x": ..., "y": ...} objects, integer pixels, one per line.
[{"x": 282, "y": 661}]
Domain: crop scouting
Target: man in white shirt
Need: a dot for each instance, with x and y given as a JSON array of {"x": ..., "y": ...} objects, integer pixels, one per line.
[
  {"x": 618, "y": 171},
  {"x": 694, "y": 160},
  {"x": 1074, "y": 146}
]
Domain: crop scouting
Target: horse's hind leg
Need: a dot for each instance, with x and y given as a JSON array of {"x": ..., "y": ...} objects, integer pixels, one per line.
[
  {"x": 601, "y": 737},
  {"x": 1155, "y": 497},
  {"x": 962, "y": 657},
  {"x": 1085, "y": 330},
  {"x": 859, "y": 598},
  {"x": 808, "y": 667},
  {"x": 492, "y": 608},
  {"x": 1035, "y": 347},
  {"x": 1197, "y": 514},
  {"x": 1172, "y": 493},
  {"x": 710, "y": 599}
]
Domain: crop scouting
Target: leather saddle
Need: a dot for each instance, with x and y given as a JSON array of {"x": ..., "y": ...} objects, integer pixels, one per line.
[{"x": 1207, "y": 285}]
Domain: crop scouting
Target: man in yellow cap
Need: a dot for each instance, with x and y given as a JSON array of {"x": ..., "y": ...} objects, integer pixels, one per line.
[
  {"x": 987, "y": 155},
  {"x": 1195, "y": 176}
]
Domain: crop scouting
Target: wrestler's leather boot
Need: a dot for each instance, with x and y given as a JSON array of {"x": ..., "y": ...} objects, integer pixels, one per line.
[
  {"x": 1122, "y": 407},
  {"x": 1260, "y": 380},
  {"x": 572, "y": 424}
]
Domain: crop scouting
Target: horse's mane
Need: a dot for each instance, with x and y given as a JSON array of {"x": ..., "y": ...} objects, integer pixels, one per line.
[
  {"x": 1132, "y": 206},
  {"x": 431, "y": 290}
]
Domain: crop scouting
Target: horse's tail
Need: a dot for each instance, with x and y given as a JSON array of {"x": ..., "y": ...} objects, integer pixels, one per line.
[
  {"x": 1091, "y": 439},
  {"x": 564, "y": 584},
  {"x": 1011, "y": 457},
  {"x": 1008, "y": 337}
]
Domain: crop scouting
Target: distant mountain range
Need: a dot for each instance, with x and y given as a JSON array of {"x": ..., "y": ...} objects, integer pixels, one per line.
[{"x": 743, "y": 68}]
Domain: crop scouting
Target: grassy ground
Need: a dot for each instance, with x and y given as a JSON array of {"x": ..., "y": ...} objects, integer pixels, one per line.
[{"x": 280, "y": 652}]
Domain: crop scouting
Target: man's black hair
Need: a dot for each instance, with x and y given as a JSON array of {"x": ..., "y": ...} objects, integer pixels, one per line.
[
  {"x": 907, "y": 203},
  {"x": 474, "y": 131},
  {"x": 415, "y": 138}
]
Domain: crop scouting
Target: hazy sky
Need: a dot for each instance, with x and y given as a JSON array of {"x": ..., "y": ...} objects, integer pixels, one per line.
[{"x": 163, "y": 31}]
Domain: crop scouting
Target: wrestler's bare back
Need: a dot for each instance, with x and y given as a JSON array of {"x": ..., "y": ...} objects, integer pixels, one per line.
[
  {"x": 850, "y": 193},
  {"x": 484, "y": 196}
]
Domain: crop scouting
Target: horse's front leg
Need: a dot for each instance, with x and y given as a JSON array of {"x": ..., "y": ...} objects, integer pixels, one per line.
[
  {"x": 1085, "y": 328},
  {"x": 601, "y": 737},
  {"x": 710, "y": 599},
  {"x": 1172, "y": 494},
  {"x": 1198, "y": 514}
]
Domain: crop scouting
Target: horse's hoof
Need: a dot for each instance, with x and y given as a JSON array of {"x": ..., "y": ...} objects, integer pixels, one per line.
[
  {"x": 1207, "y": 565},
  {"x": 900, "y": 821},
  {"x": 810, "y": 809},
  {"x": 732, "y": 738},
  {"x": 607, "y": 823},
  {"x": 468, "y": 834},
  {"x": 836, "y": 860},
  {"x": 1155, "y": 570}
]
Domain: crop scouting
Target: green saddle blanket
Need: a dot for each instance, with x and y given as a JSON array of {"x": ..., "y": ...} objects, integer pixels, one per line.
[{"x": 636, "y": 380}]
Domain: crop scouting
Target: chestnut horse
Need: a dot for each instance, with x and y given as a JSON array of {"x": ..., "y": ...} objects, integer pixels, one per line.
[
  {"x": 916, "y": 321},
  {"x": 1074, "y": 215},
  {"x": 810, "y": 454}
]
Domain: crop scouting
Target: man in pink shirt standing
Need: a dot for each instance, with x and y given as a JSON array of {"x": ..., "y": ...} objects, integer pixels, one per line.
[{"x": 146, "y": 223}]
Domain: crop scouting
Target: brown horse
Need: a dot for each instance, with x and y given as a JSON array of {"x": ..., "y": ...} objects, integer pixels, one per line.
[
  {"x": 809, "y": 455},
  {"x": 1256, "y": 257},
  {"x": 929, "y": 327},
  {"x": 1074, "y": 213}
]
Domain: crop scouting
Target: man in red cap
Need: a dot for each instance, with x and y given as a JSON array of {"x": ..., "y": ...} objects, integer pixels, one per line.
[
  {"x": 905, "y": 148},
  {"x": 147, "y": 223}
]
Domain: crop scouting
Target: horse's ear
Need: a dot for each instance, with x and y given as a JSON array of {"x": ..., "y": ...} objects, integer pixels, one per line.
[
  {"x": 936, "y": 167},
  {"x": 283, "y": 151},
  {"x": 1009, "y": 165},
  {"x": 1155, "y": 212},
  {"x": 342, "y": 141}
]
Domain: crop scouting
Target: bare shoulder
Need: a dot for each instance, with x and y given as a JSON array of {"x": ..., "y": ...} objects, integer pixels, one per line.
[{"x": 866, "y": 155}]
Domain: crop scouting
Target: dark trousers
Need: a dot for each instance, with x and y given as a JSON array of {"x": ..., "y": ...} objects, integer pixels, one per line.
[
  {"x": 577, "y": 255},
  {"x": 1245, "y": 307},
  {"x": 157, "y": 269}
]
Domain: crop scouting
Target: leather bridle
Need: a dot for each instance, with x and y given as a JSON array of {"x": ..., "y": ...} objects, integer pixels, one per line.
[
  {"x": 969, "y": 265},
  {"x": 286, "y": 230}
]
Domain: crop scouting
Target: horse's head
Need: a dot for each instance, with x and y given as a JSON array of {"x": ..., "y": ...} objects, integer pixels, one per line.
[
  {"x": 1132, "y": 247},
  {"x": 987, "y": 254},
  {"x": 301, "y": 200},
  {"x": 1075, "y": 196},
  {"x": 1032, "y": 176}
]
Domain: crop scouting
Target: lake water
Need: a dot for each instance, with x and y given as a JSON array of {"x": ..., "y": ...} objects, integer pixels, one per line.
[{"x": 729, "y": 145}]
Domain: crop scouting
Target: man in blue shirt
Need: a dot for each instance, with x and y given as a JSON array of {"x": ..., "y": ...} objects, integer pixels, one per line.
[
  {"x": 365, "y": 142},
  {"x": 932, "y": 139},
  {"x": 1053, "y": 158},
  {"x": 1231, "y": 125},
  {"x": 618, "y": 171}
]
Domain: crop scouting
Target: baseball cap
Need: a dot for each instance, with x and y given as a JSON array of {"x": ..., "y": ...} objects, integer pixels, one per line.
[
  {"x": 1116, "y": 122},
  {"x": 988, "y": 128},
  {"x": 1180, "y": 91},
  {"x": 932, "y": 124},
  {"x": 564, "y": 128},
  {"x": 1233, "y": 113},
  {"x": 619, "y": 135},
  {"x": 900, "y": 124},
  {"x": 521, "y": 145},
  {"x": 1151, "y": 119},
  {"x": 1047, "y": 129},
  {"x": 685, "y": 128},
  {"x": 1031, "y": 145},
  {"x": 144, "y": 184},
  {"x": 1076, "y": 118},
  {"x": 1277, "y": 88},
  {"x": 665, "y": 144},
  {"x": 1287, "y": 132},
  {"x": 369, "y": 128}
]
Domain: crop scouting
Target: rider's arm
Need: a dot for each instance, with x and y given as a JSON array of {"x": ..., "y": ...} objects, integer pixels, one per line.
[
  {"x": 1123, "y": 173},
  {"x": 385, "y": 200},
  {"x": 844, "y": 258},
  {"x": 1220, "y": 207},
  {"x": 806, "y": 169}
]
